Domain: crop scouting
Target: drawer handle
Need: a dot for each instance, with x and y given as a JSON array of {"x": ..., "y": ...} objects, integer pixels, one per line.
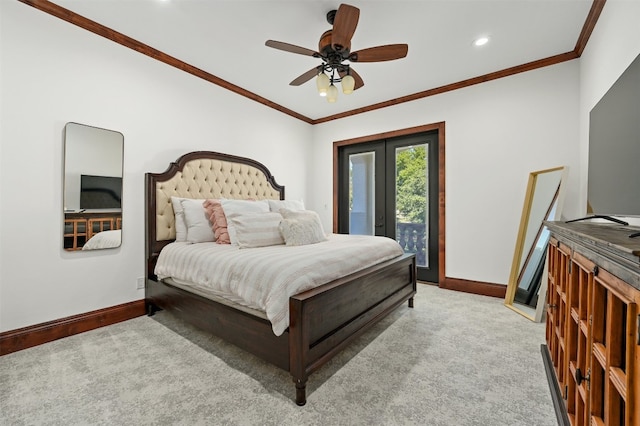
[
  {"x": 580, "y": 377},
  {"x": 549, "y": 306}
]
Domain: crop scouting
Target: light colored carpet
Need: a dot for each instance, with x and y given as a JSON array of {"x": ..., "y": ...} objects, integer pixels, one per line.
[{"x": 455, "y": 359}]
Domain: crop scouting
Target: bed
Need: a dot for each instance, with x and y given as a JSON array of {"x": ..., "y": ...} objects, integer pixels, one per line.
[{"x": 320, "y": 321}]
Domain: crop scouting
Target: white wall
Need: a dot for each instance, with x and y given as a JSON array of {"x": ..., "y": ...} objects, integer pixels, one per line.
[
  {"x": 52, "y": 73},
  {"x": 496, "y": 134},
  {"x": 614, "y": 44}
]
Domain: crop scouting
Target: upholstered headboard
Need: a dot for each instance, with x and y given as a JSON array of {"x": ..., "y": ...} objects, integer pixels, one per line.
[{"x": 201, "y": 174}]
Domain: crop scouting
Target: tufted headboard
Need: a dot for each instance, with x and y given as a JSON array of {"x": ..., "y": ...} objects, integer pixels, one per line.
[{"x": 200, "y": 174}]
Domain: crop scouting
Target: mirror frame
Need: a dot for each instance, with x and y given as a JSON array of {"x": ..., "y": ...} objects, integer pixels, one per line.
[{"x": 518, "y": 265}]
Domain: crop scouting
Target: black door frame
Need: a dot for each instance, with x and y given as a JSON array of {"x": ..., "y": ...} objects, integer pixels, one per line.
[{"x": 377, "y": 147}]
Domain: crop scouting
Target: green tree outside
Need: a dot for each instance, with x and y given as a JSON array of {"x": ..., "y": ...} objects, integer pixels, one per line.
[{"x": 411, "y": 184}]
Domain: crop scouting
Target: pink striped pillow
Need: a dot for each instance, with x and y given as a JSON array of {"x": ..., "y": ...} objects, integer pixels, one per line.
[{"x": 218, "y": 220}]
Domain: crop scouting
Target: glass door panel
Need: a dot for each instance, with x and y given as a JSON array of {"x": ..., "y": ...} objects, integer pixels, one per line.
[
  {"x": 412, "y": 200},
  {"x": 361, "y": 206},
  {"x": 362, "y": 193}
]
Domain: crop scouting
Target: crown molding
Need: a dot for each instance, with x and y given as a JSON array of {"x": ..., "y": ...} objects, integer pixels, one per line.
[{"x": 124, "y": 40}]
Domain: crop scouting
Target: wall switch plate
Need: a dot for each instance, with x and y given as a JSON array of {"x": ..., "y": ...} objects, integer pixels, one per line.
[{"x": 140, "y": 283}]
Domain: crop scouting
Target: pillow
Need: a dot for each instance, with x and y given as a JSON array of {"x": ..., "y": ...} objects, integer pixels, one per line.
[
  {"x": 181, "y": 225},
  {"x": 257, "y": 229},
  {"x": 218, "y": 221},
  {"x": 297, "y": 214},
  {"x": 198, "y": 226},
  {"x": 237, "y": 207},
  {"x": 301, "y": 228},
  {"x": 276, "y": 205},
  {"x": 104, "y": 240}
]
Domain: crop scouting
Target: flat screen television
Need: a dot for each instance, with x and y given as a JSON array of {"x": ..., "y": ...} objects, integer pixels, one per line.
[
  {"x": 100, "y": 192},
  {"x": 614, "y": 148}
]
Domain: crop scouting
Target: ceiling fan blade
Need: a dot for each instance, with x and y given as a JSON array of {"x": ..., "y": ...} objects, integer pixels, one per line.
[
  {"x": 344, "y": 25},
  {"x": 387, "y": 52},
  {"x": 356, "y": 77},
  {"x": 291, "y": 48},
  {"x": 305, "y": 77}
]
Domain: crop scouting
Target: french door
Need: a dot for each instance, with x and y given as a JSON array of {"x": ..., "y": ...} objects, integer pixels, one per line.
[{"x": 390, "y": 188}]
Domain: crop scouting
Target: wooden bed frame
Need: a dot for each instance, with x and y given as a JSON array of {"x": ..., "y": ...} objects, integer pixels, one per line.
[{"x": 322, "y": 320}]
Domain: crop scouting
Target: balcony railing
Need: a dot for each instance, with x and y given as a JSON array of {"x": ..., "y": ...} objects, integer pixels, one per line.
[{"x": 412, "y": 238}]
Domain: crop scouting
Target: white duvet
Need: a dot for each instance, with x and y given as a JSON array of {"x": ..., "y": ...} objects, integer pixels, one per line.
[{"x": 264, "y": 278}]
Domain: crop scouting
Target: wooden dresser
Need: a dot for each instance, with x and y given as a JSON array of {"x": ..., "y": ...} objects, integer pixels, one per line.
[{"x": 592, "y": 355}]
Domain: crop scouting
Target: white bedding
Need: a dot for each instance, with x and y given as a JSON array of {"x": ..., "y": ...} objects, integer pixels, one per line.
[{"x": 264, "y": 278}]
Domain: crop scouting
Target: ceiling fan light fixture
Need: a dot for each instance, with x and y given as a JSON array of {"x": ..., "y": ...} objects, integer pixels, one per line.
[
  {"x": 332, "y": 93},
  {"x": 334, "y": 48},
  {"x": 322, "y": 83},
  {"x": 348, "y": 84}
]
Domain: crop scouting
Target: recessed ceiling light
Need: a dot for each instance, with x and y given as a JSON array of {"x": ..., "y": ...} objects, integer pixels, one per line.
[{"x": 481, "y": 41}]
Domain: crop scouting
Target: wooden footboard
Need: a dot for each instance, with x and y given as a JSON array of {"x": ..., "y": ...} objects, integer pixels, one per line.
[
  {"x": 326, "y": 319},
  {"x": 322, "y": 321}
]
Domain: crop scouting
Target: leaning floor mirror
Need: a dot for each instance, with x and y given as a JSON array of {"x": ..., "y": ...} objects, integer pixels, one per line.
[
  {"x": 527, "y": 285},
  {"x": 92, "y": 188}
]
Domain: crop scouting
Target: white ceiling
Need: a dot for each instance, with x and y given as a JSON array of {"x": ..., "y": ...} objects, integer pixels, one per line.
[{"x": 226, "y": 39}]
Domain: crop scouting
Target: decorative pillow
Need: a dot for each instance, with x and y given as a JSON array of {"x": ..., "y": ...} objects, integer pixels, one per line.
[
  {"x": 257, "y": 229},
  {"x": 218, "y": 220},
  {"x": 276, "y": 205},
  {"x": 181, "y": 225},
  {"x": 297, "y": 214},
  {"x": 301, "y": 228},
  {"x": 198, "y": 226},
  {"x": 237, "y": 207}
]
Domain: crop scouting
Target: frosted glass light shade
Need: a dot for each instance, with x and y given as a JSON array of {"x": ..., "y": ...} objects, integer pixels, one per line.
[
  {"x": 348, "y": 83},
  {"x": 322, "y": 83},
  {"x": 332, "y": 94}
]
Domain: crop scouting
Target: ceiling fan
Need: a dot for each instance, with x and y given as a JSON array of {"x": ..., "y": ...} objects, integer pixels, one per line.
[{"x": 334, "y": 49}]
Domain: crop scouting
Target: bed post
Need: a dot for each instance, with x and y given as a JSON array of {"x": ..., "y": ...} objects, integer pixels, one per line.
[
  {"x": 298, "y": 349},
  {"x": 414, "y": 279}
]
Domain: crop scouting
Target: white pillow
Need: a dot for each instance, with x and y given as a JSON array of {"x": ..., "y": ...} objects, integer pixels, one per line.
[
  {"x": 276, "y": 205},
  {"x": 298, "y": 214},
  {"x": 198, "y": 226},
  {"x": 181, "y": 225},
  {"x": 104, "y": 240},
  {"x": 301, "y": 227},
  {"x": 238, "y": 207},
  {"x": 257, "y": 229}
]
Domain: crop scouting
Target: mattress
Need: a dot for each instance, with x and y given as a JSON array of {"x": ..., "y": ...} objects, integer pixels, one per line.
[{"x": 265, "y": 278}]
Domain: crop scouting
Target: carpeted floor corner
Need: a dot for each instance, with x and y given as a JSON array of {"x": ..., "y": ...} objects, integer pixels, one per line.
[{"x": 455, "y": 359}]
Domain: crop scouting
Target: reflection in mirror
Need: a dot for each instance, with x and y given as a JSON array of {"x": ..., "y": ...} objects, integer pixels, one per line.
[
  {"x": 92, "y": 187},
  {"x": 527, "y": 282}
]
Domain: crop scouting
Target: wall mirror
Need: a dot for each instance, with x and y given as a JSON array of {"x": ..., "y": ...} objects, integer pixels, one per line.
[
  {"x": 527, "y": 285},
  {"x": 92, "y": 187}
]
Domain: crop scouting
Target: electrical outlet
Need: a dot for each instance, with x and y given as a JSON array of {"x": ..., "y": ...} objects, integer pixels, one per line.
[{"x": 140, "y": 283}]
